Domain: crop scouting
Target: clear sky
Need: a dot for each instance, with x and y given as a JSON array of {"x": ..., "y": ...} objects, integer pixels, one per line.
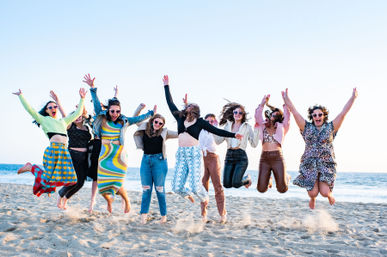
[{"x": 212, "y": 50}]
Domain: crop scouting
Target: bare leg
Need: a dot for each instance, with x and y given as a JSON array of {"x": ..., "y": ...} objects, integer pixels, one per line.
[
  {"x": 313, "y": 194},
  {"x": 94, "y": 188},
  {"x": 64, "y": 205},
  {"x": 203, "y": 206},
  {"x": 325, "y": 191},
  {"x": 25, "y": 168},
  {"x": 59, "y": 202},
  {"x": 190, "y": 197},
  {"x": 109, "y": 199},
  {"x": 123, "y": 194}
]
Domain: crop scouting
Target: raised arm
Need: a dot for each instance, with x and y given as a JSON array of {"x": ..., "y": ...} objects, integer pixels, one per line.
[
  {"x": 37, "y": 116},
  {"x": 171, "y": 105},
  {"x": 286, "y": 121},
  {"x": 56, "y": 99},
  {"x": 340, "y": 118},
  {"x": 78, "y": 112},
  {"x": 297, "y": 116},
  {"x": 139, "y": 108},
  {"x": 258, "y": 112},
  {"x": 93, "y": 91}
]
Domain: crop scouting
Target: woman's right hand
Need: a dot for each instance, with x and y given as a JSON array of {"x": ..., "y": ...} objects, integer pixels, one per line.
[
  {"x": 185, "y": 100},
  {"x": 239, "y": 136},
  {"x": 265, "y": 100},
  {"x": 18, "y": 92},
  {"x": 88, "y": 80},
  {"x": 154, "y": 109},
  {"x": 166, "y": 80}
]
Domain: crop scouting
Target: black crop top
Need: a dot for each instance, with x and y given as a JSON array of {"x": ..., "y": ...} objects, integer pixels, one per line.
[
  {"x": 194, "y": 129},
  {"x": 77, "y": 137},
  {"x": 152, "y": 145}
]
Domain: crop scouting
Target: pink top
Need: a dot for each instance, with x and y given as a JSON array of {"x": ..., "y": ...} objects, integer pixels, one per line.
[{"x": 282, "y": 128}]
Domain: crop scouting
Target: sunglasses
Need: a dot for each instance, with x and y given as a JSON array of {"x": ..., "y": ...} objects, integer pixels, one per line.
[
  {"x": 158, "y": 123},
  {"x": 52, "y": 107},
  {"x": 236, "y": 112},
  {"x": 315, "y": 115},
  {"x": 114, "y": 111}
]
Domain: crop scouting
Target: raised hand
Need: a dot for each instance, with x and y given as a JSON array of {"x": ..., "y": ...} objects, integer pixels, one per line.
[
  {"x": 166, "y": 80},
  {"x": 54, "y": 96},
  {"x": 185, "y": 100},
  {"x": 115, "y": 90},
  {"x": 88, "y": 80},
  {"x": 142, "y": 106},
  {"x": 354, "y": 93},
  {"x": 17, "y": 93},
  {"x": 285, "y": 96},
  {"x": 265, "y": 100},
  {"x": 82, "y": 92},
  {"x": 154, "y": 109}
]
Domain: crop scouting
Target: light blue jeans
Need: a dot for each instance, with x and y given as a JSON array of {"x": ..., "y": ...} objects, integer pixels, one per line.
[
  {"x": 188, "y": 169},
  {"x": 153, "y": 170}
]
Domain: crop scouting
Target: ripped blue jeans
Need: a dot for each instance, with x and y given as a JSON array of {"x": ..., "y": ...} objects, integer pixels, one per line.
[{"x": 153, "y": 170}]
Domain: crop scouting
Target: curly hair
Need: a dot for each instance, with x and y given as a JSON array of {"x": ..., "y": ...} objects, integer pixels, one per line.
[
  {"x": 278, "y": 118},
  {"x": 227, "y": 113},
  {"x": 194, "y": 113},
  {"x": 149, "y": 130},
  {"x": 43, "y": 112},
  {"x": 318, "y": 107}
]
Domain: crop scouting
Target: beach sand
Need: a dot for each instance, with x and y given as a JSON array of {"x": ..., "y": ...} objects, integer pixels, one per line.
[{"x": 32, "y": 226}]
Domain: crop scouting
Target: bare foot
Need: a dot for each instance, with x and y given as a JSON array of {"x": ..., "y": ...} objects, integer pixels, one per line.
[
  {"x": 271, "y": 182},
  {"x": 59, "y": 202},
  {"x": 223, "y": 219},
  {"x": 64, "y": 203},
  {"x": 248, "y": 184},
  {"x": 109, "y": 201},
  {"x": 203, "y": 206},
  {"x": 127, "y": 205},
  {"x": 25, "y": 168},
  {"x": 331, "y": 199},
  {"x": 190, "y": 197},
  {"x": 288, "y": 178},
  {"x": 91, "y": 207},
  {"x": 249, "y": 181},
  {"x": 163, "y": 219},
  {"x": 312, "y": 203},
  {"x": 204, "y": 219},
  {"x": 144, "y": 218}
]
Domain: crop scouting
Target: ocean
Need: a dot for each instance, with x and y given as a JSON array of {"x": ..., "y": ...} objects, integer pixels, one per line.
[{"x": 349, "y": 186}]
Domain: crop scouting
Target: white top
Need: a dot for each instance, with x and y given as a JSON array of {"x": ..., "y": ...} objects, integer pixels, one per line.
[
  {"x": 248, "y": 135},
  {"x": 207, "y": 142}
]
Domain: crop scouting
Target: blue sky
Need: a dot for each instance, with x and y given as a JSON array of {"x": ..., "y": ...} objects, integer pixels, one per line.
[{"x": 212, "y": 50}]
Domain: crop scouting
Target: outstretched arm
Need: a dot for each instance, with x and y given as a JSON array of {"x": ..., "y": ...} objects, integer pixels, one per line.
[
  {"x": 37, "y": 116},
  {"x": 340, "y": 118},
  {"x": 93, "y": 91},
  {"x": 56, "y": 99},
  {"x": 78, "y": 112},
  {"x": 297, "y": 116},
  {"x": 258, "y": 112},
  {"x": 142, "y": 117},
  {"x": 168, "y": 96}
]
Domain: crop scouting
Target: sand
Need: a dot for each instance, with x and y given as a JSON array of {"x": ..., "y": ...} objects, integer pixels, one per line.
[{"x": 32, "y": 226}]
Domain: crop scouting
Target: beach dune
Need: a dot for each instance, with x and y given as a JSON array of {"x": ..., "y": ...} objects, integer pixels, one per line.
[{"x": 31, "y": 226}]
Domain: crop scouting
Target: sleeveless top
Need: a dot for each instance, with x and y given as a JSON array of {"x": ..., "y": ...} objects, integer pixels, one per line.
[
  {"x": 267, "y": 138},
  {"x": 77, "y": 137},
  {"x": 110, "y": 130}
]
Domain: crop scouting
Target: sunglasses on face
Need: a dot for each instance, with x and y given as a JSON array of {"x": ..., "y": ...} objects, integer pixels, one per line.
[
  {"x": 315, "y": 115},
  {"x": 158, "y": 122},
  {"x": 236, "y": 112},
  {"x": 52, "y": 107},
  {"x": 114, "y": 111}
]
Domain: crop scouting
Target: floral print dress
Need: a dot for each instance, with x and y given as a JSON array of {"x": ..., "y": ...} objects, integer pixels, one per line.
[{"x": 318, "y": 160}]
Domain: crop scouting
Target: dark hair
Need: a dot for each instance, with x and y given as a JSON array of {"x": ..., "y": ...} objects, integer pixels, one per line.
[
  {"x": 43, "y": 112},
  {"x": 113, "y": 101},
  {"x": 194, "y": 113},
  {"x": 210, "y": 115},
  {"x": 227, "y": 113},
  {"x": 318, "y": 107},
  {"x": 268, "y": 113},
  {"x": 149, "y": 126}
]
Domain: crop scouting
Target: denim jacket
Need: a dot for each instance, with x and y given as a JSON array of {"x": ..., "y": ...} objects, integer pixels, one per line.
[{"x": 101, "y": 115}]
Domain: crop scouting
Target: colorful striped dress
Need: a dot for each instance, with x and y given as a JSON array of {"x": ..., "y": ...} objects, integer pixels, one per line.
[{"x": 112, "y": 163}]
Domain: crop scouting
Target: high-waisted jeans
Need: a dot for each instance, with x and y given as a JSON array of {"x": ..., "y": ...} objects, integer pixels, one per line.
[
  {"x": 235, "y": 166},
  {"x": 153, "y": 170},
  {"x": 272, "y": 161},
  {"x": 80, "y": 166}
]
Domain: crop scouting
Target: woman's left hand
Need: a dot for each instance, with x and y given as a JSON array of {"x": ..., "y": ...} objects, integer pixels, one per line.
[
  {"x": 239, "y": 136},
  {"x": 82, "y": 92},
  {"x": 154, "y": 109},
  {"x": 17, "y": 93},
  {"x": 354, "y": 93}
]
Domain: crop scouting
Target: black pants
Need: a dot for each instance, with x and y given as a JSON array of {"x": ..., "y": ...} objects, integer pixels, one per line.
[
  {"x": 94, "y": 150},
  {"x": 80, "y": 166},
  {"x": 235, "y": 166}
]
